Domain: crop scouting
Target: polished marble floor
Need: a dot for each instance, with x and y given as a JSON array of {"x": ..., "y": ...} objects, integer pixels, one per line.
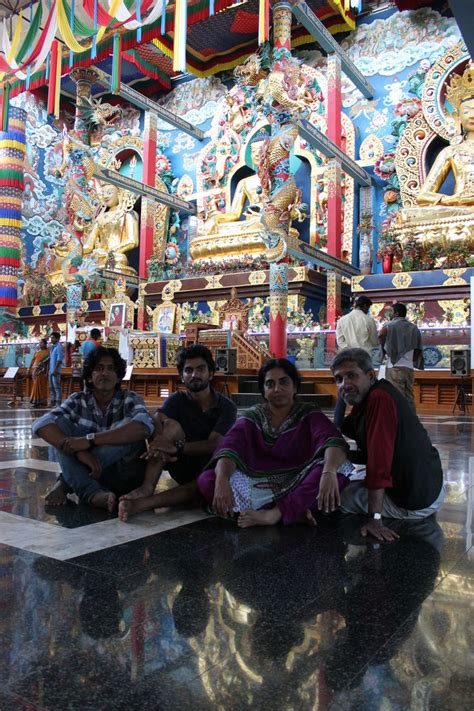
[{"x": 180, "y": 610}]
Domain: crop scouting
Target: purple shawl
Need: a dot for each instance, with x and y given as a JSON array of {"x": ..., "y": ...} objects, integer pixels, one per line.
[{"x": 294, "y": 449}]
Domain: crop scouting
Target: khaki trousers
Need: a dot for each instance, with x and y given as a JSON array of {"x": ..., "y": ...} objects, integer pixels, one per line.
[{"x": 403, "y": 379}]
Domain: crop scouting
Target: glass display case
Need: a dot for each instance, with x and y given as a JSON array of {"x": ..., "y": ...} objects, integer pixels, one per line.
[{"x": 315, "y": 349}]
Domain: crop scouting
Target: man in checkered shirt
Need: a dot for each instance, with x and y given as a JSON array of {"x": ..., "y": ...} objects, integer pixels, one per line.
[{"x": 99, "y": 435}]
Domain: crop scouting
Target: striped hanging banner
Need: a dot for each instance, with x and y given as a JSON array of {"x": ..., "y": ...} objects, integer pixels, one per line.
[
  {"x": 212, "y": 8},
  {"x": 94, "y": 38},
  {"x": 263, "y": 21},
  {"x": 5, "y": 107},
  {"x": 139, "y": 19},
  {"x": 72, "y": 16},
  {"x": 54, "y": 87},
  {"x": 163, "y": 17},
  {"x": 116, "y": 63},
  {"x": 180, "y": 35}
]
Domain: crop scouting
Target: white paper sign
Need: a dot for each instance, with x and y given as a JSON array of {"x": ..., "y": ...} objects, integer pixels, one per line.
[
  {"x": 11, "y": 372},
  {"x": 128, "y": 374}
]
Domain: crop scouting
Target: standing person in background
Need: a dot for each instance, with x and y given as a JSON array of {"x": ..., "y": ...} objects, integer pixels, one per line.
[
  {"x": 67, "y": 354},
  {"x": 356, "y": 329},
  {"x": 91, "y": 343},
  {"x": 56, "y": 359},
  {"x": 39, "y": 373},
  {"x": 401, "y": 341}
]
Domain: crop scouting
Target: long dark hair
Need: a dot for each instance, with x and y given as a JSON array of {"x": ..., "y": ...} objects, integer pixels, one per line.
[{"x": 93, "y": 360}]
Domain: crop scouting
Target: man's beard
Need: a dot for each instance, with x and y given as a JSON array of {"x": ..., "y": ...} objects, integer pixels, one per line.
[{"x": 197, "y": 386}]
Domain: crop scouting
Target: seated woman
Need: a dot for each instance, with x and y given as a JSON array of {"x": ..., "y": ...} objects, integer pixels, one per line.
[{"x": 277, "y": 461}]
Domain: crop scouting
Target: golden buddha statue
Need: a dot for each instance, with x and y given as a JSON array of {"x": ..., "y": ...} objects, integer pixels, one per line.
[
  {"x": 445, "y": 215},
  {"x": 236, "y": 231},
  {"x": 115, "y": 230}
]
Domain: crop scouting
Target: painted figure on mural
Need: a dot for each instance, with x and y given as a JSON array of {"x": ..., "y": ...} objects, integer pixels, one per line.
[
  {"x": 115, "y": 229},
  {"x": 457, "y": 158}
]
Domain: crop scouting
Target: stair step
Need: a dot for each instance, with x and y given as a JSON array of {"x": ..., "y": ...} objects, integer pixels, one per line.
[{"x": 249, "y": 399}]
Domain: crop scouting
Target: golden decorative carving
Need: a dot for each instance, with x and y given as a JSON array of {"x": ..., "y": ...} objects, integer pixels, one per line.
[
  {"x": 36, "y": 310},
  {"x": 146, "y": 351},
  {"x": 370, "y": 150},
  {"x": 356, "y": 283},
  {"x": 257, "y": 277},
  {"x": 213, "y": 282},
  {"x": 455, "y": 277},
  {"x": 402, "y": 280}
]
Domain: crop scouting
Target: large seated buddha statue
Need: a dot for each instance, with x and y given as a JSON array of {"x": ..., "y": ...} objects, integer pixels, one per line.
[
  {"x": 236, "y": 231},
  {"x": 438, "y": 215},
  {"x": 115, "y": 231}
]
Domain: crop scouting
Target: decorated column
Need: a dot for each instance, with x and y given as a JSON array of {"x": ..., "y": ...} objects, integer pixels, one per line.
[
  {"x": 333, "y": 172},
  {"x": 83, "y": 79},
  {"x": 282, "y": 18},
  {"x": 147, "y": 226},
  {"x": 12, "y": 158},
  {"x": 333, "y": 297}
]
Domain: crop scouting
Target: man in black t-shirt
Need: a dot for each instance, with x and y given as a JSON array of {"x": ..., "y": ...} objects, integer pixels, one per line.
[{"x": 189, "y": 425}]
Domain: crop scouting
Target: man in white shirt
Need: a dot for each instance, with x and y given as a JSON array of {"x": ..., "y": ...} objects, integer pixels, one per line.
[
  {"x": 355, "y": 330},
  {"x": 401, "y": 341}
]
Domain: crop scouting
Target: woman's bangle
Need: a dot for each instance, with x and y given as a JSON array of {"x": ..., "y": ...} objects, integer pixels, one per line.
[{"x": 328, "y": 471}]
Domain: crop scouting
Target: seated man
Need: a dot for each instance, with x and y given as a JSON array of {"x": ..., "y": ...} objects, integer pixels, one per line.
[
  {"x": 189, "y": 425},
  {"x": 404, "y": 479},
  {"x": 99, "y": 435}
]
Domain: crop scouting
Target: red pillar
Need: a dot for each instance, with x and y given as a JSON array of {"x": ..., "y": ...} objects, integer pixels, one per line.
[
  {"x": 147, "y": 220},
  {"x": 333, "y": 172}
]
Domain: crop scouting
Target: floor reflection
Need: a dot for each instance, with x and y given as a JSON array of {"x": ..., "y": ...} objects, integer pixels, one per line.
[{"x": 206, "y": 616}]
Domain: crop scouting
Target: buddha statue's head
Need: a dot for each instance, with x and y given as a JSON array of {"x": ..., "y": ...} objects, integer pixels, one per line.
[
  {"x": 466, "y": 115},
  {"x": 252, "y": 154},
  {"x": 110, "y": 196},
  {"x": 460, "y": 94}
]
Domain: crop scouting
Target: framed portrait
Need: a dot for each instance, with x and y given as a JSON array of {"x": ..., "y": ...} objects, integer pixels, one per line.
[
  {"x": 165, "y": 319},
  {"x": 117, "y": 314}
]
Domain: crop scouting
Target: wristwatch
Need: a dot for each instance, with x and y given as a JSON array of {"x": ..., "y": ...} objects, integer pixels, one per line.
[
  {"x": 90, "y": 437},
  {"x": 375, "y": 516},
  {"x": 179, "y": 444}
]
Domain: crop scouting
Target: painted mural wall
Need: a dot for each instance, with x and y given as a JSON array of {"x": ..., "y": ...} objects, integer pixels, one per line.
[{"x": 393, "y": 50}]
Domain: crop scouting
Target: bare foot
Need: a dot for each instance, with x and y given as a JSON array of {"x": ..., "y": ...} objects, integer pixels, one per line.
[
  {"x": 266, "y": 517},
  {"x": 57, "y": 495},
  {"x": 308, "y": 518},
  {"x": 130, "y": 507},
  {"x": 104, "y": 500},
  {"x": 141, "y": 493}
]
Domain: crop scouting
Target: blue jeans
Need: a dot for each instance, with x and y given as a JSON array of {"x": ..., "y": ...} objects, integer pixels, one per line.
[
  {"x": 56, "y": 396},
  {"x": 122, "y": 468}
]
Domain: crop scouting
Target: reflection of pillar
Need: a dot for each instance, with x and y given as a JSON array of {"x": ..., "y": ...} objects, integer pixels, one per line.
[
  {"x": 83, "y": 79},
  {"x": 147, "y": 219},
  {"x": 334, "y": 167},
  {"x": 12, "y": 158}
]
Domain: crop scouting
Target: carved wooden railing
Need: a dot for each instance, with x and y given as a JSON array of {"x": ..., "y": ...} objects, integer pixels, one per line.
[{"x": 250, "y": 353}]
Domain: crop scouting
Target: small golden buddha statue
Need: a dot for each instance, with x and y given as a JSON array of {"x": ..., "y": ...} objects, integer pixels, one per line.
[
  {"x": 457, "y": 158},
  {"x": 115, "y": 230},
  {"x": 236, "y": 231}
]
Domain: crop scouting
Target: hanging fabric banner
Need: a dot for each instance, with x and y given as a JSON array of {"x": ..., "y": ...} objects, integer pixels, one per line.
[
  {"x": 54, "y": 87},
  {"x": 263, "y": 21},
  {"x": 180, "y": 36},
  {"x": 116, "y": 63},
  {"x": 5, "y": 107}
]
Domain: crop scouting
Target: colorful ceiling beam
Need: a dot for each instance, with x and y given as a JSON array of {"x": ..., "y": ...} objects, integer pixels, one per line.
[{"x": 219, "y": 35}]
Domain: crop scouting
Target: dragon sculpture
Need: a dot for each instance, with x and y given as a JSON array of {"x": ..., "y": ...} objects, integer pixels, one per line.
[{"x": 284, "y": 97}]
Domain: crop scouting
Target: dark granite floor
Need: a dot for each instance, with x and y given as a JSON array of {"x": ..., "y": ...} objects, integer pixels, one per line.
[{"x": 206, "y": 616}]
